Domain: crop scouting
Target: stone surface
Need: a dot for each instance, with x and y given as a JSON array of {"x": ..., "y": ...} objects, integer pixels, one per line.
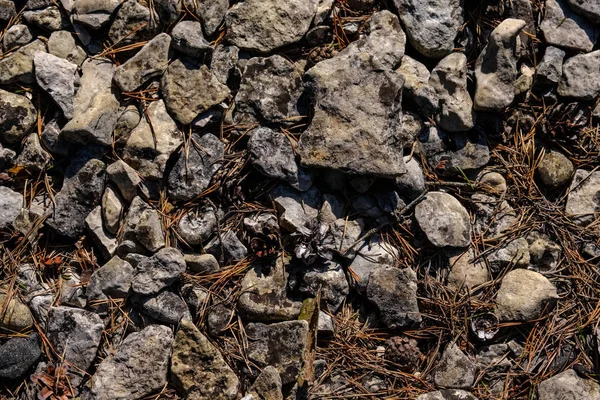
[
  {"x": 431, "y": 26},
  {"x": 590, "y": 9},
  {"x": 48, "y": 19},
  {"x": 189, "y": 89},
  {"x": 106, "y": 242},
  {"x": 266, "y": 25},
  {"x": 16, "y": 36},
  {"x": 555, "y": 169},
  {"x": 493, "y": 218},
  {"x": 447, "y": 394},
  {"x": 197, "y": 226},
  {"x": 563, "y": 28},
  {"x": 267, "y": 386},
  {"x": 159, "y": 271},
  {"x": 204, "y": 264},
  {"x": 112, "y": 280},
  {"x": 549, "y": 70},
  {"x": 583, "y": 201},
  {"x": 112, "y": 209},
  {"x": 57, "y": 77},
  {"x": 568, "y": 385},
  {"x": 132, "y": 23},
  {"x": 94, "y": 13},
  {"x": 17, "y": 116},
  {"x": 580, "y": 77},
  {"x": 198, "y": 370},
  {"x": 455, "y": 369},
  {"x": 62, "y": 44},
  {"x": 523, "y": 295},
  {"x": 466, "y": 271},
  {"x": 18, "y": 355},
  {"x": 187, "y": 39},
  {"x": 331, "y": 280},
  {"x": 296, "y": 209},
  {"x": 210, "y": 13},
  {"x": 15, "y": 314},
  {"x": 372, "y": 255},
  {"x": 125, "y": 178},
  {"x": 496, "y": 67},
  {"x": 227, "y": 247},
  {"x": 394, "y": 292},
  {"x": 11, "y": 203},
  {"x": 33, "y": 156},
  {"x": 416, "y": 85},
  {"x": 138, "y": 367},
  {"x": 165, "y": 307},
  {"x": 7, "y": 10},
  {"x": 18, "y": 67},
  {"x": 444, "y": 220}
]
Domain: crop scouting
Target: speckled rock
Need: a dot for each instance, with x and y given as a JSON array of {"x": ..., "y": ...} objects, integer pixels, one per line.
[{"x": 444, "y": 220}]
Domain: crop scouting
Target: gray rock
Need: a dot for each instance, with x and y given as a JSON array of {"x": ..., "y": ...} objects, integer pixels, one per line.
[
  {"x": 17, "y": 116},
  {"x": 7, "y": 10},
  {"x": 33, "y": 156},
  {"x": 466, "y": 271},
  {"x": 412, "y": 183},
  {"x": 198, "y": 370},
  {"x": 555, "y": 169},
  {"x": 416, "y": 85},
  {"x": 227, "y": 247},
  {"x": 125, "y": 178},
  {"x": 325, "y": 326},
  {"x": 563, "y": 28},
  {"x": 151, "y": 61},
  {"x": 323, "y": 12},
  {"x": 112, "y": 280},
  {"x": 197, "y": 226},
  {"x": 106, "y": 242},
  {"x": 18, "y": 67},
  {"x": 219, "y": 317},
  {"x": 204, "y": 264},
  {"x": 192, "y": 173},
  {"x": 348, "y": 133},
  {"x": 224, "y": 63},
  {"x": 143, "y": 225},
  {"x": 568, "y": 385},
  {"x": 447, "y": 394},
  {"x": 268, "y": 385},
  {"x": 187, "y": 39},
  {"x": 62, "y": 44},
  {"x": 58, "y": 78},
  {"x": 94, "y": 13},
  {"x": 394, "y": 292},
  {"x": 196, "y": 297},
  {"x": 157, "y": 272},
  {"x": 16, "y": 316},
  {"x": 590, "y": 9},
  {"x": 444, "y": 220},
  {"x": 455, "y": 369},
  {"x": 10, "y": 206},
  {"x": 132, "y": 23},
  {"x": 431, "y": 26},
  {"x": 112, "y": 209},
  {"x": 48, "y": 19},
  {"x": 544, "y": 254},
  {"x": 263, "y": 26},
  {"x": 523, "y": 295},
  {"x": 549, "y": 70},
  {"x": 37, "y": 4},
  {"x": 514, "y": 253},
  {"x": 128, "y": 120},
  {"x": 16, "y": 36},
  {"x": 71, "y": 291},
  {"x": 496, "y": 67},
  {"x": 272, "y": 154},
  {"x": 449, "y": 80},
  {"x": 74, "y": 334},
  {"x": 166, "y": 307},
  {"x": 138, "y": 368},
  {"x": 330, "y": 279},
  {"x": 18, "y": 355},
  {"x": 580, "y": 77},
  {"x": 296, "y": 209},
  {"x": 280, "y": 345},
  {"x": 210, "y": 13},
  {"x": 583, "y": 201},
  {"x": 493, "y": 217},
  {"x": 448, "y": 153},
  {"x": 493, "y": 182},
  {"x": 371, "y": 256}
]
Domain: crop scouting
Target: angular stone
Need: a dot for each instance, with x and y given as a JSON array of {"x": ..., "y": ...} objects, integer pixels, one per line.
[
  {"x": 198, "y": 370},
  {"x": 455, "y": 369},
  {"x": 155, "y": 273},
  {"x": 16, "y": 36},
  {"x": 57, "y": 77},
  {"x": 563, "y": 28},
  {"x": 412, "y": 183},
  {"x": 18, "y": 355},
  {"x": 205, "y": 264},
  {"x": 266, "y": 25},
  {"x": 549, "y": 70},
  {"x": 151, "y": 61},
  {"x": 143, "y": 225},
  {"x": 568, "y": 385},
  {"x": 224, "y": 63},
  {"x": 11, "y": 203},
  {"x": 555, "y": 169},
  {"x": 523, "y": 295},
  {"x": 197, "y": 226},
  {"x": 590, "y": 9},
  {"x": 94, "y": 13},
  {"x": 48, "y": 19},
  {"x": 7, "y": 10},
  {"x": 138, "y": 368},
  {"x": 296, "y": 209},
  {"x": 431, "y": 26},
  {"x": 583, "y": 201},
  {"x": 514, "y": 253},
  {"x": 210, "y": 13},
  {"x": 444, "y": 220},
  {"x": 227, "y": 247},
  {"x": 496, "y": 67},
  {"x": 106, "y": 242},
  {"x": 416, "y": 85},
  {"x": 268, "y": 385},
  {"x": 129, "y": 118},
  {"x": 18, "y": 67},
  {"x": 189, "y": 89},
  {"x": 371, "y": 256},
  {"x": 62, "y": 44},
  {"x": 17, "y": 116},
  {"x": 330, "y": 279},
  {"x": 112, "y": 210},
  {"x": 493, "y": 217},
  {"x": 580, "y": 77},
  {"x": 125, "y": 178},
  {"x": 112, "y": 280},
  {"x": 132, "y": 23},
  {"x": 467, "y": 272},
  {"x": 33, "y": 156},
  {"x": 166, "y": 307},
  {"x": 187, "y": 39}
]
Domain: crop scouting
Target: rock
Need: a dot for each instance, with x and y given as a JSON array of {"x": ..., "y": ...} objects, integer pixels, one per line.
[
  {"x": 143, "y": 225},
  {"x": 16, "y": 36},
  {"x": 371, "y": 256},
  {"x": 71, "y": 290},
  {"x": 269, "y": 91},
  {"x": 467, "y": 272},
  {"x": 159, "y": 271},
  {"x": 412, "y": 183},
  {"x": 325, "y": 326},
  {"x": 18, "y": 67},
  {"x": 62, "y": 44},
  {"x": 589, "y": 9},
  {"x": 192, "y": 173},
  {"x": 130, "y": 118},
  {"x": 112, "y": 210},
  {"x": 432, "y": 26},
  {"x": 210, "y": 13},
  {"x": 583, "y": 200},
  {"x": 52, "y": 141},
  {"x": 204, "y": 264},
  {"x": 563, "y": 28},
  {"x": 448, "y": 153},
  {"x": 568, "y": 385},
  {"x": 447, "y": 394},
  {"x": 416, "y": 85},
  {"x": 267, "y": 386},
  {"x": 106, "y": 242},
  {"x": 48, "y": 19},
  {"x": 296, "y": 209},
  {"x": 197, "y": 226},
  {"x": 549, "y": 70},
  {"x": 33, "y": 156},
  {"x": 57, "y": 77},
  {"x": 280, "y": 345},
  {"x": 132, "y": 23},
  {"x": 444, "y": 220},
  {"x": 455, "y": 369},
  {"x": 330, "y": 279},
  {"x": 95, "y": 111},
  {"x": 544, "y": 254},
  {"x": 493, "y": 217},
  {"x": 125, "y": 178},
  {"x": 523, "y": 295},
  {"x": 449, "y": 80},
  {"x": 230, "y": 249},
  {"x": 138, "y": 367},
  {"x": 348, "y": 133},
  {"x": 17, "y": 116},
  {"x": 219, "y": 317},
  {"x": 149, "y": 147},
  {"x": 166, "y": 307},
  {"x": 7, "y": 10},
  {"x": 151, "y": 61},
  {"x": 580, "y": 76},
  {"x": 263, "y": 26},
  {"x": 224, "y": 63},
  {"x": 198, "y": 370},
  {"x": 264, "y": 295},
  {"x": 493, "y": 182},
  {"x": 74, "y": 334},
  {"x": 168, "y": 10},
  {"x": 18, "y": 355},
  {"x": 394, "y": 292},
  {"x": 195, "y": 297},
  {"x": 94, "y": 13},
  {"x": 513, "y": 253},
  {"x": 496, "y": 67},
  {"x": 112, "y": 280},
  {"x": 555, "y": 169},
  {"x": 15, "y": 315},
  {"x": 187, "y": 39},
  {"x": 10, "y": 206}
]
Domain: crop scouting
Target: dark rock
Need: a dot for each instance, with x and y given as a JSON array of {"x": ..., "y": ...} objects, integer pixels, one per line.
[
  {"x": 188, "y": 39},
  {"x": 227, "y": 247},
  {"x": 330, "y": 279},
  {"x": 18, "y": 67},
  {"x": 112, "y": 280},
  {"x": 157, "y": 272},
  {"x": 166, "y": 307},
  {"x": 17, "y": 355}
]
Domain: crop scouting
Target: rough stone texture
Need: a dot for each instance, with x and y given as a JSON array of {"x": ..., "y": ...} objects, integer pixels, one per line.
[
  {"x": 268, "y": 385},
  {"x": 159, "y": 271},
  {"x": 496, "y": 67},
  {"x": 17, "y": 355},
  {"x": 447, "y": 394},
  {"x": 15, "y": 315},
  {"x": 467, "y": 272},
  {"x": 583, "y": 201},
  {"x": 57, "y": 77},
  {"x": 7, "y": 10},
  {"x": 230, "y": 249},
  {"x": 266, "y": 25},
  {"x": 17, "y": 116},
  {"x": 523, "y": 295},
  {"x": 581, "y": 77},
  {"x": 11, "y": 203},
  {"x": 394, "y": 292},
  {"x": 125, "y": 178},
  {"x": 48, "y": 19},
  {"x": 549, "y": 70},
  {"x": 371, "y": 256},
  {"x": 131, "y": 17},
  {"x": 205, "y": 264},
  {"x": 94, "y": 13},
  {"x": 555, "y": 169},
  {"x": 493, "y": 217},
  {"x": 444, "y": 220},
  {"x": 106, "y": 242},
  {"x": 197, "y": 226},
  {"x": 152, "y": 60},
  {"x": 568, "y": 385},
  {"x": 33, "y": 156},
  {"x": 112, "y": 209},
  {"x": 62, "y": 44},
  {"x": 210, "y": 12},
  {"x": 357, "y": 118},
  {"x": 18, "y": 67},
  {"x": 331, "y": 280},
  {"x": 563, "y": 28},
  {"x": 198, "y": 370},
  {"x": 193, "y": 172},
  {"x": 112, "y": 280},
  {"x": 138, "y": 368},
  {"x": 416, "y": 85},
  {"x": 189, "y": 89},
  {"x": 455, "y": 369},
  {"x": 431, "y": 26},
  {"x": 296, "y": 209},
  {"x": 166, "y": 307},
  {"x": 187, "y": 39},
  {"x": 280, "y": 345},
  {"x": 16, "y": 36},
  {"x": 590, "y": 9}
]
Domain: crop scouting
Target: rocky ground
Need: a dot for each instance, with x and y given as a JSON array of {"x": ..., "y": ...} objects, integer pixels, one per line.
[{"x": 323, "y": 199}]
